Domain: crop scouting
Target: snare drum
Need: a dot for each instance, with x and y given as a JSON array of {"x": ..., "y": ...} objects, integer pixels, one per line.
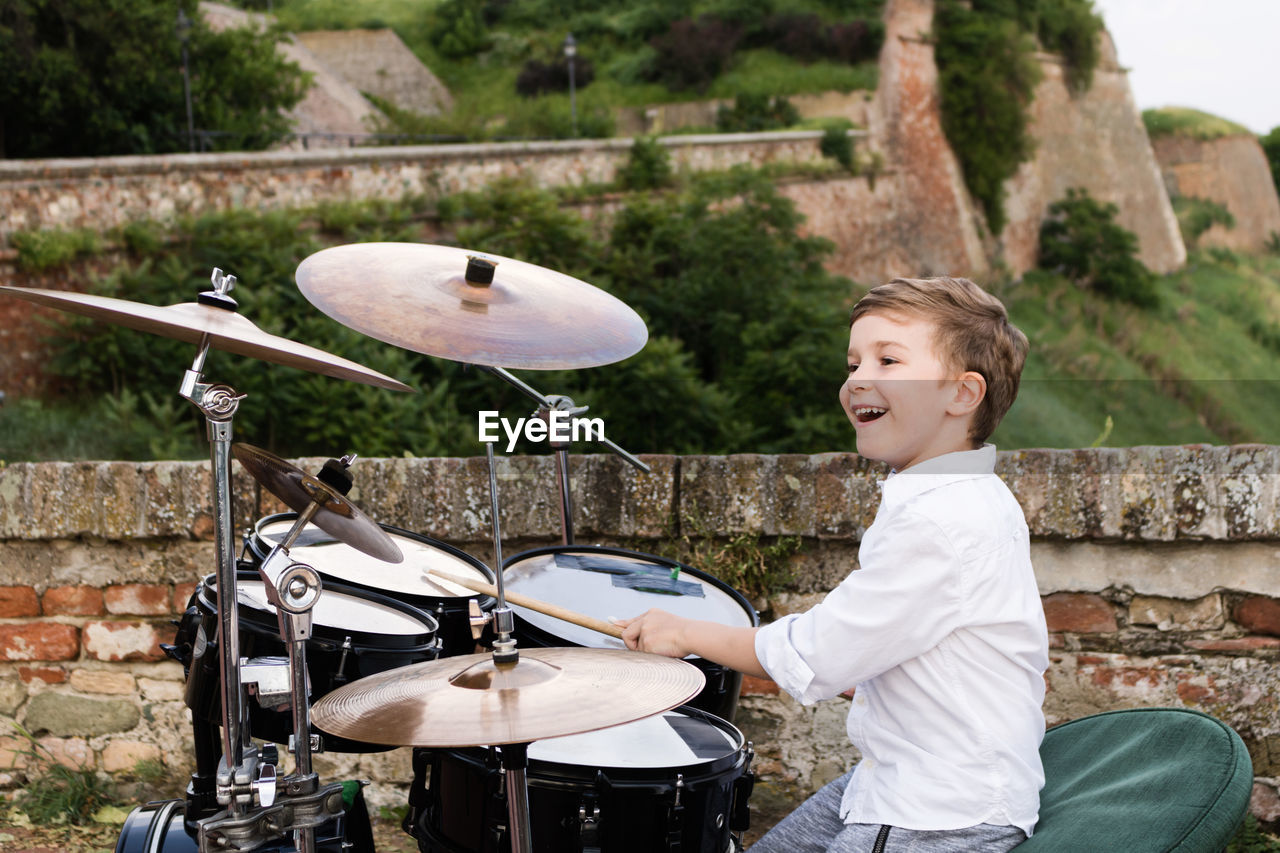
[
  {"x": 354, "y": 633},
  {"x": 447, "y": 602},
  {"x": 612, "y": 583},
  {"x": 674, "y": 781}
]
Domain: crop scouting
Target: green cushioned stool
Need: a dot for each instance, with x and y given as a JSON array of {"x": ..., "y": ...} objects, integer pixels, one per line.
[{"x": 1147, "y": 780}]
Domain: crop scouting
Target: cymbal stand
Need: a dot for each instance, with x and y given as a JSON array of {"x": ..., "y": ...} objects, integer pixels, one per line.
[
  {"x": 561, "y": 403},
  {"x": 514, "y": 756},
  {"x": 218, "y": 403},
  {"x": 294, "y": 588}
]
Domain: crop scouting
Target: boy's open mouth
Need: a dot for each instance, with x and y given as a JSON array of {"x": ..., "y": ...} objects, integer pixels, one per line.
[{"x": 866, "y": 414}]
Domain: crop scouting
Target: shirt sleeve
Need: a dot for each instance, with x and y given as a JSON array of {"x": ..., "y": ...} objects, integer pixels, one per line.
[{"x": 906, "y": 596}]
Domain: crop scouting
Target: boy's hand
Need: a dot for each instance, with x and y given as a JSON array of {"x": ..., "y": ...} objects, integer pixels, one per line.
[{"x": 655, "y": 631}]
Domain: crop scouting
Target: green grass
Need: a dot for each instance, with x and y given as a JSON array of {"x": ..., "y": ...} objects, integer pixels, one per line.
[
  {"x": 1201, "y": 368},
  {"x": 1185, "y": 121}
]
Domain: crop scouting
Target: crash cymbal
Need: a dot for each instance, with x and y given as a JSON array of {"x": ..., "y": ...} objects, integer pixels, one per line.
[
  {"x": 337, "y": 516},
  {"x": 470, "y": 307},
  {"x": 190, "y": 321},
  {"x": 471, "y": 701}
]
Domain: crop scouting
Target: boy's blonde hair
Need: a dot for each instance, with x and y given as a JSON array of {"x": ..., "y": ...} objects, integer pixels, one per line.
[{"x": 972, "y": 332}]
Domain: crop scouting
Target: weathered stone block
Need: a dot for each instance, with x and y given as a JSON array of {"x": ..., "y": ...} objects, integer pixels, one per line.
[
  {"x": 12, "y": 694},
  {"x": 120, "y": 641},
  {"x": 73, "y": 601},
  {"x": 1079, "y": 613},
  {"x": 1258, "y": 614},
  {"x": 846, "y": 494},
  {"x": 138, "y": 599},
  {"x": 1170, "y": 614},
  {"x": 124, "y": 755},
  {"x": 68, "y": 715},
  {"x": 39, "y": 641},
  {"x": 17, "y": 602},
  {"x": 73, "y": 752},
  {"x": 103, "y": 681},
  {"x": 46, "y": 674}
]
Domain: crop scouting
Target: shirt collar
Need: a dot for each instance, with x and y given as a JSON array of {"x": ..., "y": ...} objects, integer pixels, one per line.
[{"x": 939, "y": 471}]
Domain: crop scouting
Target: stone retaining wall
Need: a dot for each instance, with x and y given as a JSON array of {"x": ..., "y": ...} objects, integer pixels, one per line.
[{"x": 1157, "y": 566}]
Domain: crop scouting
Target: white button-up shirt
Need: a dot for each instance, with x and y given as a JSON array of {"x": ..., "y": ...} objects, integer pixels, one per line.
[{"x": 942, "y": 630}]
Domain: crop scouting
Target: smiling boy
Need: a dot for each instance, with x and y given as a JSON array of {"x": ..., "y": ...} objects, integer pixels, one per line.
[{"x": 940, "y": 628}]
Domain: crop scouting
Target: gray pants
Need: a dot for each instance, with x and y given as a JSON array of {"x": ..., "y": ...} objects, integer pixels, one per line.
[{"x": 816, "y": 827}]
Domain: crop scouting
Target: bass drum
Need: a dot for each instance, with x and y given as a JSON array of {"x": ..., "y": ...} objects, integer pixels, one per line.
[
  {"x": 354, "y": 633},
  {"x": 448, "y": 602},
  {"x": 159, "y": 827},
  {"x": 613, "y": 583},
  {"x": 674, "y": 781}
]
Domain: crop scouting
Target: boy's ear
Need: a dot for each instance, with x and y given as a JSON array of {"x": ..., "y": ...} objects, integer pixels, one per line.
[{"x": 971, "y": 389}]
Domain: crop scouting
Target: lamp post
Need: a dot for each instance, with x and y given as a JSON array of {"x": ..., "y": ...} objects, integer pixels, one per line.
[
  {"x": 570, "y": 51},
  {"x": 183, "y": 28}
]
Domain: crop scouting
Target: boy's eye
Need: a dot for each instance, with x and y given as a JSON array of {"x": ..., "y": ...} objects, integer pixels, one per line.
[
  {"x": 888, "y": 360},
  {"x": 852, "y": 368}
]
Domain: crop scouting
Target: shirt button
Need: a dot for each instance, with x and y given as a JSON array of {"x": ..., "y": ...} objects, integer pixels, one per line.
[{"x": 861, "y": 700}]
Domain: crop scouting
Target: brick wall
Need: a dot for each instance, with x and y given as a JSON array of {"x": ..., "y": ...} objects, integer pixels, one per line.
[{"x": 1156, "y": 564}]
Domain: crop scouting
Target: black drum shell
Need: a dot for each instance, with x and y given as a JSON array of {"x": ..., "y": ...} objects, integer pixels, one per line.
[
  {"x": 720, "y": 694},
  {"x": 158, "y": 827},
  {"x": 329, "y": 665},
  {"x": 451, "y": 612},
  {"x": 462, "y": 809}
]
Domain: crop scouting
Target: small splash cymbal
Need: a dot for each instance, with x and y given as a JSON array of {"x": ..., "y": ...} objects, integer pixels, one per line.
[
  {"x": 471, "y": 701},
  {"x": 337, "y": 516},
  {"x": 190, "y": 321},
  {"x": 470, "y": 307}
]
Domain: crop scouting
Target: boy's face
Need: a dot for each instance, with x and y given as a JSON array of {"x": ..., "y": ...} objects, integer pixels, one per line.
[{"x": 904, "y": 402}]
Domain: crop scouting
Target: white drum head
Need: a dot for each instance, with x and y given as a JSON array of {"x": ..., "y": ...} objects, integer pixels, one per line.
[
  {"x": 672, "y": 739},
  {"x": 594, "y": 593},
  {"x": 336, "y": 560},
  {"x": 342, "y": 611}
]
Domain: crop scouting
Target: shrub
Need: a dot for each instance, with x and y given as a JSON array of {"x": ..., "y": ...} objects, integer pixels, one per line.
[
  {"x": 856, "y": 41},
  {"x": 1070, "y": 28},
  {"x": 458, "y": 29},
  {"x": 648, "y": 166},
  {"x": 693, "y": 53},
  {"x": 1197, "y": 215},
  {"x": 1081, "y": 240},
  {"x": 987, "y": 76},
  {"x": 537, "y": 78},
  {"x": 837, "y": 145},
  {"x": 51, "y": 247},
  {"x": 752, "y": 112},
  {"x": 801, "y": 36}
]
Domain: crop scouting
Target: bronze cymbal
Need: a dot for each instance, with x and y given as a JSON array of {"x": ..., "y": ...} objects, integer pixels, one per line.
[
  {"x": 435, "y": 300},
  {"x": 190, "y": 321},
  {"x": 337, "y": 516},
  {"x": 471, "y": 701}
]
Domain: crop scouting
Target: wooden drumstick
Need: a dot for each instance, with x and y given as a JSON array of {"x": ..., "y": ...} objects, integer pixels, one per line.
[{"x": 533, "y": 604}]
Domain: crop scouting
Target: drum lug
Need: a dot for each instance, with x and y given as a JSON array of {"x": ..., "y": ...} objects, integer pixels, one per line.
[
  {"x": 675, "y": 819},
  {"x": 588, "y": 825},
  {"x": 739, "y": 812},
  {"x": 271, "y": 675}
]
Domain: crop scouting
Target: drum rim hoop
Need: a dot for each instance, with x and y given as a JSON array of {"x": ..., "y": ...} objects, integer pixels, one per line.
[{"x": 326, "y": 634}]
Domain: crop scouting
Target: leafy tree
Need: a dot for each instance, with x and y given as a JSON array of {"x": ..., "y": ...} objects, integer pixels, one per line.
[
  {"x": 1081, "y": 240},
  {"x": 101, "y": 77}
]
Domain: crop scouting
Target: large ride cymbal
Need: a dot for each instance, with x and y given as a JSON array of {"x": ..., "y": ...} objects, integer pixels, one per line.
[
  {"x": 191, "y": 321},
  {"x": 436, "y": 300},
  {"x": 471, "y": 701},
  {"x": 336, "y": 516}
]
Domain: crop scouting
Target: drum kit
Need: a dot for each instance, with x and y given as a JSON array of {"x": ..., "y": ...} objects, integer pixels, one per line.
[{"x": 533, "y": 727}]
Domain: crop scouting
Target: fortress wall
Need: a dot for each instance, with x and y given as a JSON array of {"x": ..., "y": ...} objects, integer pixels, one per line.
[{"x": 1232, "y": 171}]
